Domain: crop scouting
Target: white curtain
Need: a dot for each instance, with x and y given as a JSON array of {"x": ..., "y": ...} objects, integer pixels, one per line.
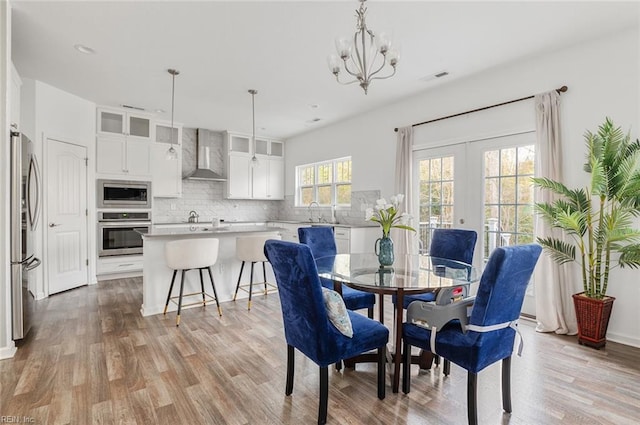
[
  {"x": 403, "y": 240},
  {"x": 553, "y": 289}
]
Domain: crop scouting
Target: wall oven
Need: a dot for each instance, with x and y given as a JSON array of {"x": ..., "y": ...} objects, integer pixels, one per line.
[
  {"x": 123, "y": 194},
  {"x": 118, "y": 232}
]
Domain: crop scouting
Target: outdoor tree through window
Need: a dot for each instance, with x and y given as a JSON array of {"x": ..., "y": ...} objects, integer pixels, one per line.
[{"x": 327, "y": 183}]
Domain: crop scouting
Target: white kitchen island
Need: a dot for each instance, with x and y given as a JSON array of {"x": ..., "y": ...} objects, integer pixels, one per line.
[{"x": 156, "y": 276}]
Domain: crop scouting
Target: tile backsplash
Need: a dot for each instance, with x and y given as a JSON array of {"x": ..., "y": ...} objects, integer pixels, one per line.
[{"x": 207, "y": 197}]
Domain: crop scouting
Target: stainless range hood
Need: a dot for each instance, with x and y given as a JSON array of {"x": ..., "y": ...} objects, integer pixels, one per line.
[{"x": 206, "y": 146}]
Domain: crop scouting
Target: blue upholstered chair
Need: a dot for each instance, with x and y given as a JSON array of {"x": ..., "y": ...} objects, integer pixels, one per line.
[
  {"x": 452, "y": 244},
  {"x": 307, "y": 326},
  {"x": 490, "y": 332},
  {"x": 322, "y": 242}
]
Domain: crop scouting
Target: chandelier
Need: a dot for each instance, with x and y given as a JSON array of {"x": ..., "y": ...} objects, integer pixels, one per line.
[{"x": 364, "y": 56}]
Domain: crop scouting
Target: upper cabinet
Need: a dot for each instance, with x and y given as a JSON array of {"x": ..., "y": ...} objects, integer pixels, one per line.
[
  {"x": 135, "y": 146},
  {"x": 114, "y": 122},
  {"x": 166, "y": 171},
  {"x": 123, "y": 147},
  {"x": 262, "y": 178}
]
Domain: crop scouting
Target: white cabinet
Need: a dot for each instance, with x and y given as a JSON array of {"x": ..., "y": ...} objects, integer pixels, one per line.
[
  {"x": 123, "y": 144},
  {"x": 290, "y": 230},
  {"x": 239, "y": 176},
  {"x": 166, "y": 172},
  {"x": 248, "y": 179},
  {"x": 122, "y": 157},
  {"x": 115, "y": 122},
  {"x": 131, "y": 264}
]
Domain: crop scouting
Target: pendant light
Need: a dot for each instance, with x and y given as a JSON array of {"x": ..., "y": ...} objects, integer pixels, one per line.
[
  {"x": 253, "y": 92},
  {"x": 172, "y": 153}
]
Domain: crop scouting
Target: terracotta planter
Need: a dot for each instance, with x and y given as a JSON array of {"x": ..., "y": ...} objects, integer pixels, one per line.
[{"x": 593, "y": 318}]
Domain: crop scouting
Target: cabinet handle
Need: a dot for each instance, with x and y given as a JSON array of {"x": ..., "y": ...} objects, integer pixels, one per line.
[{"x": 125, "y": 265}]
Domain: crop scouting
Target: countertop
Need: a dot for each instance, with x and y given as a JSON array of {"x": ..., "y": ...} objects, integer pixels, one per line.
[
  {"x": 309, "y": 223},
  {"x": 253, "y": 224},
  {"x": 202, "y": 231}
]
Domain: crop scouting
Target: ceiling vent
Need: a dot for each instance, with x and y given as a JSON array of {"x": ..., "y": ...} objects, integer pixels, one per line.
[{"x": 137, "y": 108}]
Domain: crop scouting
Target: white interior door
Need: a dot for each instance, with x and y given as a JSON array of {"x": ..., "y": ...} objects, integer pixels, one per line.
[{"x": 67, "y": 216}]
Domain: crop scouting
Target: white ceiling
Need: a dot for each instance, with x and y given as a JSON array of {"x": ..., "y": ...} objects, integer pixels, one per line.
[{"x": 224, "y": 48}]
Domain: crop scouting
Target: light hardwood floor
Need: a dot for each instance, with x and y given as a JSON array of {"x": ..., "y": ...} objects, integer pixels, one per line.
[{"x": 92, "y": 359}]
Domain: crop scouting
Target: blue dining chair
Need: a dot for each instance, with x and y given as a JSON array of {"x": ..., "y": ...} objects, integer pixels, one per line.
[
  {"x": 490, "y": 332},
  {"x": 306, "y": 323},
  {"x": 322, "y": 242},
  {"x": 452, "y": 244}
]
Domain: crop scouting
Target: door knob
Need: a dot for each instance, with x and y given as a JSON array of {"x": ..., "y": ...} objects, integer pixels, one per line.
[
  {"x": 53, "y": 224},
  {"x": 462, "y": 221}
]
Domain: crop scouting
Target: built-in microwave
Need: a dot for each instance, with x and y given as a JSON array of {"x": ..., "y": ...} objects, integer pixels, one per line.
[{"x": 123, "y": 194}]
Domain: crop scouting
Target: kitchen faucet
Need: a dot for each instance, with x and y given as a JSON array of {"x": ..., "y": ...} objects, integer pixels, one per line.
[
  {"x": 193, "y": 217},
  {"x": 309, "y": 207}
]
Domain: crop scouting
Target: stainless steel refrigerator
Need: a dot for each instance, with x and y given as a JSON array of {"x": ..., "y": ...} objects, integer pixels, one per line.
[{"x": 25, "y": 209}]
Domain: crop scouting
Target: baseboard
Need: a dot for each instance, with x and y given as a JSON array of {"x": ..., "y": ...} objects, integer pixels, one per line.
[
  {"x": 623, "y": 339},
  {"x": 8, "y": 352}
]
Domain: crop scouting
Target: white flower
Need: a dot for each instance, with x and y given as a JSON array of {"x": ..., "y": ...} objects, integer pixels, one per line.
[
  {"x": 368, "y": 213},
  {"x": 381, "y": 202},
  {"x": 400, "y": 198},
  {"x": 394, "y": 200}
]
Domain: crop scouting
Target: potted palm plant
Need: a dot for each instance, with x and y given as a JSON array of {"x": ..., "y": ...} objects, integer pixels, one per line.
[{"x": 598, "y": 221}]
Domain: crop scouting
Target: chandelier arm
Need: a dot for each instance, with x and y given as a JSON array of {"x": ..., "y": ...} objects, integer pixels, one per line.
[
  {"x": 346, "y": 68},
  {"x": 384, "y": 78},
  {"x": 379, "y": 69},
  {"x": 346, "y": 83},
  {"x": 360, "y": 65}
]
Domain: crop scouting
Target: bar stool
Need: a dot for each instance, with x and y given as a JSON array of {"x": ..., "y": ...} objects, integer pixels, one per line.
[
  {"x": 188, "y": 254},
  {"x": 251, "y": 249}
]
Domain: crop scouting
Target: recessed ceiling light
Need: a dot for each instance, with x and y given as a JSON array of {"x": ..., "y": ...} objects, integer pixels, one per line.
[
  {"x": 313, "y": 120},
  {"x": 84, "y": 49},
  {"x": 314, "y": 106},
  {"x": 159, "y": 111}
]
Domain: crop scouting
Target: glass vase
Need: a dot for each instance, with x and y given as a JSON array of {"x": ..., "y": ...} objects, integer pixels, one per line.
[{"x": 384, "y": 250}]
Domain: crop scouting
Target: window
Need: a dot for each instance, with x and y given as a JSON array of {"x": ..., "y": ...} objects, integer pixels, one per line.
[
  {"x": 326, "y": 182},
  {"x": 508, "y": 197}
]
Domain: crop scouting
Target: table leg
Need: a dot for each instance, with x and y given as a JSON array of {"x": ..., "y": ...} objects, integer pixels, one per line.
[{"x": 397, "y": 356}]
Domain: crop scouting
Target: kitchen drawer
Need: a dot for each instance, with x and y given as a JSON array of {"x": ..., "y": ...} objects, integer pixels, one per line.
[{"x": 119, "y": 264}]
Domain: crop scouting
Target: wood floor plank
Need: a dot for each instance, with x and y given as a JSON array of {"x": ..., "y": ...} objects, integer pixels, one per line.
[{"x": 91, "y": 358}]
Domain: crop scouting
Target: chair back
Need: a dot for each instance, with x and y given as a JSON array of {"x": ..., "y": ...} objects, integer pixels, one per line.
[
  {"x": 503, "y": 285},
  {"x": 306, "y": 325},
  {"x": 453, "y": 244},
  {"x": 251, "y": 248},
  {"x": 321, "y": 240},
  {"x": 185, "y": 254}
]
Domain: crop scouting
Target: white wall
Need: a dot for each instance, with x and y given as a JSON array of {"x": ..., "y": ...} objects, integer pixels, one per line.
[
  {"x": 602, "y": 77},
  {"x": 50, "y": 113}
]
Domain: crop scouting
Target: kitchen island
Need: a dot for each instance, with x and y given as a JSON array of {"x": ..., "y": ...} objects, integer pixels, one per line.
[{"x": 156, "y": 276}]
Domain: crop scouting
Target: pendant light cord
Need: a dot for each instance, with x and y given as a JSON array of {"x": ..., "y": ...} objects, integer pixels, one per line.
[
  {"x": 253, "y": 93},
  {"x": 173, "y": 73}
]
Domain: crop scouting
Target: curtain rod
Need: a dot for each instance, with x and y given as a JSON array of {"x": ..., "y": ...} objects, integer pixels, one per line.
[{"x": 562, "y": 89}]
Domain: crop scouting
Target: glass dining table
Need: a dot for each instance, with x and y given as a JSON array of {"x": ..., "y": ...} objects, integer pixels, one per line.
[{"x": 409, "y": 275}]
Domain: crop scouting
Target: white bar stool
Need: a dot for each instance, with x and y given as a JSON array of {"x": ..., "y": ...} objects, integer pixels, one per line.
[
  {"x": 188, "y": 254},
  {"x": 251, "y": 249}
]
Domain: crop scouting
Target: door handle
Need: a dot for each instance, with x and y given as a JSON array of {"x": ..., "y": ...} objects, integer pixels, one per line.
[{"x": 53, "y": 224}]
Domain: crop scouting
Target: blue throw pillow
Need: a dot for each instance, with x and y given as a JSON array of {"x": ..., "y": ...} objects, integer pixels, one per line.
[{"x": 337, "y": 311}]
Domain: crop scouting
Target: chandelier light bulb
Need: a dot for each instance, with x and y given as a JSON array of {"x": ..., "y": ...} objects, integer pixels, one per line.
[
  {"x": 333, "y": 61},
  {"x": 344, "y": 45},
  {"x": 384, "y": 41}
]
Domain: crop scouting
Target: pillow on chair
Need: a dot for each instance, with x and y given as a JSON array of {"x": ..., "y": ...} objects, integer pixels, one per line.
[{"x": 337, "y": 311}]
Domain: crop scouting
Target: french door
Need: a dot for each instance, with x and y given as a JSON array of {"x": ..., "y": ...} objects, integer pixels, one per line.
[{"x": 482, "y": 185}]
